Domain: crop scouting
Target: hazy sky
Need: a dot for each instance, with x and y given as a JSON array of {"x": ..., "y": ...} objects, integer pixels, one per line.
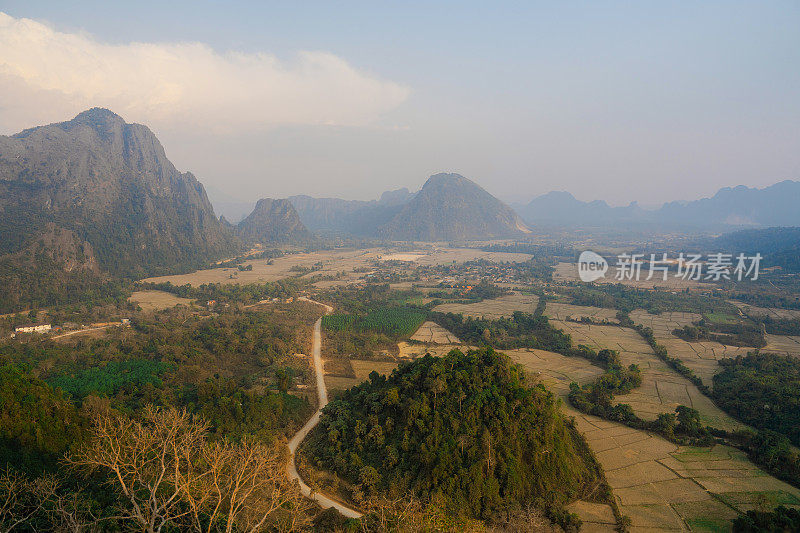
[{"x": 621, "y": 101}]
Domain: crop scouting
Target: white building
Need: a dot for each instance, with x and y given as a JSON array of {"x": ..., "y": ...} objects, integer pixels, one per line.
[{"x": 33, "y": 329}]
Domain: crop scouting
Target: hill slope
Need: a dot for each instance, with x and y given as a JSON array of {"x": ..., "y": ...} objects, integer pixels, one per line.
[
  {"x": 110, "y": 185},
  {"x": 451, "y": 207},
  {"x": 466, "y": 429},
  {"x": 273, "y": 221}
]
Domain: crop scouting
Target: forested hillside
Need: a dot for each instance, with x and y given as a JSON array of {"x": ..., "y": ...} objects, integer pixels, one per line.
[{"x": 467, "y": 430}]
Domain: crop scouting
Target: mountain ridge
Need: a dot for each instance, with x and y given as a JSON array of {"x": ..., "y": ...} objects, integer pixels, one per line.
[
  {"x": 452, "y": 207},
  {"x": 273, "y": 221},
  {"x": 110, "y": 184},
  {"x": 729, "y": 208}
]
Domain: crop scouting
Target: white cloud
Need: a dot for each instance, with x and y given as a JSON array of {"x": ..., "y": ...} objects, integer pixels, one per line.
[{"x": 47, "y": 75}]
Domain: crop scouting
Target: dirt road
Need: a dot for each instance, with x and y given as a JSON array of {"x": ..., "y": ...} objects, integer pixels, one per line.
[{"x": 322, "y": 396}]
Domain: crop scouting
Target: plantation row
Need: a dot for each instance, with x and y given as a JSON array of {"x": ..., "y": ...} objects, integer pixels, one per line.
[{"x": 396, "y": 321}]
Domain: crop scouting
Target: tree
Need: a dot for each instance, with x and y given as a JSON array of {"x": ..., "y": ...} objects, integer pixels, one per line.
[{"x": 169, "y": 475}]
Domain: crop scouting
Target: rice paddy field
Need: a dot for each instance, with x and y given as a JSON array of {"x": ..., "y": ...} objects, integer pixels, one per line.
[
  {"x": 783, "y": 344},
  {"x": 562, "y": 311},
  {"x": 433, "y": 333},
  {"x": 662, "y": 388},
  {"x": 700, "y": 356},
  {"x": 156, "y": 300},
  {"x": 504, "y": 306},
  {"x": 659, "y": 485}
]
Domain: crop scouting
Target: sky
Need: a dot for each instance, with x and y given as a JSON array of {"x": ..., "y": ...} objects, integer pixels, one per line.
[{"x": 619, "y": 101}]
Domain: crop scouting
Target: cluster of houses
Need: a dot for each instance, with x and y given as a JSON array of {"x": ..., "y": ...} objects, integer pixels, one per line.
[{"x": 44, "y": 328}]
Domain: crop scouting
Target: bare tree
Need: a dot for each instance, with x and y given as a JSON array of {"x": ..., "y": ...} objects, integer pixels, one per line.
[
  {"x": 168, "y": 473},
  {"x": 149, "y": 462},
  {"x": 18, "y": 501},
  {"x": 246, "y": 488},
  {"x": 407, "y": 514}
]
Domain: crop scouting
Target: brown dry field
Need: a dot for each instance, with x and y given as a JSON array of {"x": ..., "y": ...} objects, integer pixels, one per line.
[
  {"x": 767, "y": 311},
  {"x": 569, "y": 272},
  {"x": 701, "y": 356},
  {"x": 157, "y": 300},
  {"x": 783, "y": 344},
  {"x": 433, "y": 333},
  {"x": 662, "y": 388},
  {"x": 659, "y": 485},
  {"x": 335, "y": 380},
  {"x": 495, "y": 308},
  {"x": 560, "y": 311},
  {"x": 407, "y": 350},
  {"x": 363, "y": 367},
  {"x": 333, "y": 262}
]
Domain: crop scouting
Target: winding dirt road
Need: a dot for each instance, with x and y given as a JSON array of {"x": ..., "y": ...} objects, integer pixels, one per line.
[{"x": 322, "y": 397}]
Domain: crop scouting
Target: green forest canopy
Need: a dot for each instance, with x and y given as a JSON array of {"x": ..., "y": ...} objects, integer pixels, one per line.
[{"x": 466, "y": 429}]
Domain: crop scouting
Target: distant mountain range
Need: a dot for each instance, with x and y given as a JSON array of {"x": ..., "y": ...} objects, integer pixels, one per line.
[
  {"x": 95, "y": 198},
  {"x": 448, "y": 207},
  {"x": 349, "y": 217},
  {"x": 729, "y": 208}
]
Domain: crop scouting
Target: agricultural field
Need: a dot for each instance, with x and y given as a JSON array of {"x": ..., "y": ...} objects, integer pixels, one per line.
[
  {"x": 793, "y": 314},
  {"x": 664, "y": 323},
  {"x": 662, "y": 388},
  {"x": 341, "y": 374},
  {"x": 432, "y": 333},
  {"x": 555, "y": 371},
  {"x": 783, "y": 344},
  {"x": 662, "y": 486},
  {"x": 333, "y": 262},
  {"x": 659, "y": 485},
  {"x": 362, "y": 368},
  {"x": 561, "y": 311},
  {"x": 494, "y": 308},
  {"x": 156, "y": 300},
  {"x": 408, "y": 350},
  {"x": 701, "y": 356}
]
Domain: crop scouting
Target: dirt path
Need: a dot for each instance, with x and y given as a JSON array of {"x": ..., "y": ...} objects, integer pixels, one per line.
[{"x": 322, "y": 397}]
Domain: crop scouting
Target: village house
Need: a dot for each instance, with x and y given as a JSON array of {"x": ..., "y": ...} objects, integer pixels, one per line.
[{"x": 41, "y": 328}]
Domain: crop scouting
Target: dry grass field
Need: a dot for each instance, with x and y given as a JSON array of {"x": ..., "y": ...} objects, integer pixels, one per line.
[
  {"x": 662, "y": 388},
  {"x": 363, "y": 367},
  {"x": 700, "y": 356},
  {"x": 773, "y": 312},
  {"x": 659, "y": 485},
  {"x": 433, "y": 333},
  {"x": 407, "y": 350},
  {"x": 337, "y": 378},
  {"x": 333, "y": 262},
  {"x": 555, "y": 371},
  {"x": 560, "y": 311},
  {"x": 156, "y": 300},
  {"x": 783, "y": 344},
  {"x": 495, "y": 308}
]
